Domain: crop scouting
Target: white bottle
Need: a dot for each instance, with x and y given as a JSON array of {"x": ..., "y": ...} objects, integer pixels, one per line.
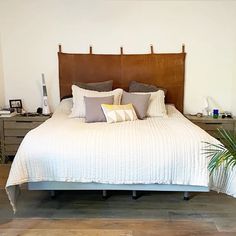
[
  {"x": 206, "y": 108},
  {"x": 46, "y": 109}
]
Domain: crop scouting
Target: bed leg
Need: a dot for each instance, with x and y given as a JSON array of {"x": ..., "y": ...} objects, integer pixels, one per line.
[
  {"x": 52, "y": 193},
  {"x": 104, "y": 194},
  {"x": 186, "y": 196},
  {"x": 134, "y": 195}
]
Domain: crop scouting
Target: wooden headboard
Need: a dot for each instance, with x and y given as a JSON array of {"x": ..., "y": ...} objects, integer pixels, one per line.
[{"x": 165, "y": 70}]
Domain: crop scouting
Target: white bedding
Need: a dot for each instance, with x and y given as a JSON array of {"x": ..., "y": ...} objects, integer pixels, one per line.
[{"x": 156, "y": 150}]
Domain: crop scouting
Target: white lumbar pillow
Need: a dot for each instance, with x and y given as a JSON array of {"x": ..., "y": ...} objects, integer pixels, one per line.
[
  {"x": 78, "y": 109},
  {"x": 156, "y": 105}
]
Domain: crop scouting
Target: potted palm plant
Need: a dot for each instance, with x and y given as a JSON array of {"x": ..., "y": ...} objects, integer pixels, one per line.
[{"x": 223, "y": 153}]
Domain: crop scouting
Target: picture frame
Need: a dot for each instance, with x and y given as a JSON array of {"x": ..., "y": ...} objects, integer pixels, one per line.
[{"x": 16, "y": 104}]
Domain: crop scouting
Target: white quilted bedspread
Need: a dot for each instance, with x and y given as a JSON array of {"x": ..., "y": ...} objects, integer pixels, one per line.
[{"x": 156, "y": 150}]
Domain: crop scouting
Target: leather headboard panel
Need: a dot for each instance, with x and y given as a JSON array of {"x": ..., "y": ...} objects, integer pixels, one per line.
[{"x": 163, "y": 70}]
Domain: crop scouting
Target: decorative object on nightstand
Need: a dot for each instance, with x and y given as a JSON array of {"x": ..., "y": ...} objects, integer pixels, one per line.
[
  {"x": 46, "y": 109},
  {"x": 16, "y": 104},
  {"x": 14, "y": 129},
  {"x": 210, "y": 125},
  {"x": 206, "y": 109},
  {"x": 7, "y": 112},
  {"x": 209, "y": 105},
  {"x": 215, "y": 113},
  {"x": 226, "y": 114}
]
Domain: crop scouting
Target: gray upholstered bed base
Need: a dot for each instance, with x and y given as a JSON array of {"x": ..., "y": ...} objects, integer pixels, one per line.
[{"x": 52, "y": 186}]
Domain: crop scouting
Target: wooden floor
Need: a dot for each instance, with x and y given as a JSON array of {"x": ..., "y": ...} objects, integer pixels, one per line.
[{"x": 87, "y": 214}]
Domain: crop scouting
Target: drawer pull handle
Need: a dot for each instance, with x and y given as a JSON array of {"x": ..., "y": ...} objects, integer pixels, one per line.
[
  {"x": 24, "y": 121},
  {"x": 213, "y": 123},
  {"x": 20, "y": 136}
]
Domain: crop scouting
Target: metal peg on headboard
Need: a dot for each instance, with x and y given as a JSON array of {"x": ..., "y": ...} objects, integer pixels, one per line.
[
  {"x": 183, "y": 48},
  {"x": 152, "y": 50},
  {"x": 90, "y": 49},
  {"x": 59, "y": 48},
  {"x": 121, "y": 50}
]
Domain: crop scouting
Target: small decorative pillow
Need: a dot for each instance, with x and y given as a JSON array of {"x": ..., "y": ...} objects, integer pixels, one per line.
[
  {"x": 119, "y": 113},
  {"x": 93, "y": 109},
  {"x": 156, "y": 104},
  {"x": 140, "y": 102},
  {"x": 104, "y": 86},
  {"x": 135, "y": 86},
  {"x": 78, "y": 109}
]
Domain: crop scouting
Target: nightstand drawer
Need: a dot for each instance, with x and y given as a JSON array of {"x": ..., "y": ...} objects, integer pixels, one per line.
[
  {"x": 214, "y": 126},
  {"x": 13, "y": 140},
  {"x": 10, "y": 153},
  {"x": 213, "y": 133},
  {"x": 20, "y": 133},
  {"x": 21, "y": 124},
  {"x": 11, "y": 148}
]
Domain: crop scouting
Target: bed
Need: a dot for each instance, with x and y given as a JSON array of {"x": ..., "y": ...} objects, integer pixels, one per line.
[{"x": 156, "y": 154}]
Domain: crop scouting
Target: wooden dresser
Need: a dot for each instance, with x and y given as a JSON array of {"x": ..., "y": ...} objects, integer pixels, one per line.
[
  {"x": 210, "y": 125},
  {"x": 14, "y": 129}
]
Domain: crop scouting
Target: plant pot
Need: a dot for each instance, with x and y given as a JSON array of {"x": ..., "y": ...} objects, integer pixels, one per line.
[{"x": 4, "y": 172}]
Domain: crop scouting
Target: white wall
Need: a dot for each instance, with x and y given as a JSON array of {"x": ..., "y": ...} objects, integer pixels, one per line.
[
  {"x": 1, "y": 79},
  {"x": 31, "y": 31},
  {"x": 234, "y": 90}
]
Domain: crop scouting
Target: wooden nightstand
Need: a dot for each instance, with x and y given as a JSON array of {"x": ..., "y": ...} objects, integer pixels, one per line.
[
  {"x": 14, "y": 129},
  {"x": 210, "y": 125}
]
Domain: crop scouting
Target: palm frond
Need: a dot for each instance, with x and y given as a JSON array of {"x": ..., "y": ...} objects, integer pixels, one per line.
[{"x": 223, "y": 153}]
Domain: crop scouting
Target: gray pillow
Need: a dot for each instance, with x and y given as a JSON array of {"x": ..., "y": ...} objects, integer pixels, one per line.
[
  {"x": 93, "y": 109},
  {"x": 105, "y": 86},
  {"x": 140, "y": 102},
  {"x": 135, "y": 86}
]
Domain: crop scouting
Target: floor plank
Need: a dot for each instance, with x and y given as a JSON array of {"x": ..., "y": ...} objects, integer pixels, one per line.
[
  {"x": 178, "y": 233},
  {"x": 106, "y": 226},
  {"x": 67, "y": 232},
  {"x": 101, "y": 224}
]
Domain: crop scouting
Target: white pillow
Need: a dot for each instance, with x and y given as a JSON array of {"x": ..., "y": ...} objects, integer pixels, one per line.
[
  {"x": 78, "y": 109},
  {"x": 156, "y": 105},
  {"x": 64, "y": 107}
]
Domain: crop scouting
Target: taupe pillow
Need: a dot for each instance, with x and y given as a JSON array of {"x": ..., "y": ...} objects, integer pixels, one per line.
[
  {"x": 140, "y": 102},
  {"x": 135, "y": 87},
  {"x": 105, "y": 86},
  {"x": 93, "y": 108}
]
